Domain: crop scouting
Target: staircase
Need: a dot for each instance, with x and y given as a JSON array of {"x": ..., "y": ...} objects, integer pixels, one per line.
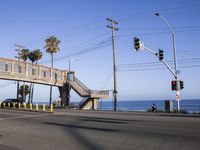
[
  {"x": 90, "y": 96},
  {"x": 79, "y": 87}
]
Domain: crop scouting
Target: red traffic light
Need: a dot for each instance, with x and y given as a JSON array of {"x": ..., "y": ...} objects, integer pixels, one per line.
[
  {"x": 174, "y": 85},
  {"x": 174, "y": 82}
]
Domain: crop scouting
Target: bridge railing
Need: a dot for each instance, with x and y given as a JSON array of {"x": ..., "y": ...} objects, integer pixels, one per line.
[
  {"x": 82, "y": 85},
  {"x": 106, "y": 92},
  {"x": 31, "y": 70}
]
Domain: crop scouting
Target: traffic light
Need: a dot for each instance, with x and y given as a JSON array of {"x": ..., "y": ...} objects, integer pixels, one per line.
[
  {"x": 136, "y": 43},
  {"x": 160, "y": 54},
  {"x": 174, "y": 85},
  {"x": 181, "y": 84}
]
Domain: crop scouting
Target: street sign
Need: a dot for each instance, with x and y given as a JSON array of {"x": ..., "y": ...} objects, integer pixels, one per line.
[
  {"x": 178, "y": 72},
  {"x": 178, "y": 96}
]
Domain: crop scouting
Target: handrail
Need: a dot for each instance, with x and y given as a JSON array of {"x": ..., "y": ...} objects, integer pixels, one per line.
[
  {"x": 105, "y": 92},
  {"x": 82, "y": 85},
  {"x": 78, "y": 88}
]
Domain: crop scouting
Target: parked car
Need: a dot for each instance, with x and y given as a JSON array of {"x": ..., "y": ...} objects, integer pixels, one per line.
[{"x": 11, "y": 101}]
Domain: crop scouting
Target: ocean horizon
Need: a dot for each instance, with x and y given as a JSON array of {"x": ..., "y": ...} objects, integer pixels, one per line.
[{"x": 188, "y": 105}]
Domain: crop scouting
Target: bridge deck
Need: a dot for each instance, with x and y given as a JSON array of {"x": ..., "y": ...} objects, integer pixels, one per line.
[
  {"x": 28, "y": 72},
  {"x": 24, "y": 71}
]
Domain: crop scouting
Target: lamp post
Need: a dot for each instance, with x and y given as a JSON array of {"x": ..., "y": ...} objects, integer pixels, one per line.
[{"x": 175, "y": 61}]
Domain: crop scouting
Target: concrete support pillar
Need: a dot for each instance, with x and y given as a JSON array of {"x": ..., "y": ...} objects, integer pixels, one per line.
[
  {"x": 90, "y": 104},
  {"x": 12, "y": 67},
  {"x": 94, "y": 104},
  {"x": 64, "y": 94},
  {"x": 26, "y": 69},
  {"x": 51, "y": 74},
  {"x": 39, "y": 72}
]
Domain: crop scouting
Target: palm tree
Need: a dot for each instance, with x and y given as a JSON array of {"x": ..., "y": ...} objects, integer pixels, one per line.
[
  {"x": 24, "y": 91},
  {"x": 51, "y": 46},
  {"x": 33, "y": 56},
  {"x": 24, "y": 56}
]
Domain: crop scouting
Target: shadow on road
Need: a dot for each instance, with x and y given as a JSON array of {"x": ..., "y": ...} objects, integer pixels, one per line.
[
  {"x": 104, "y": 120},
  {"x": 81, "y": 127},
  {"x": 82, "y": 141},
  {"x": 6, "y": 147}
]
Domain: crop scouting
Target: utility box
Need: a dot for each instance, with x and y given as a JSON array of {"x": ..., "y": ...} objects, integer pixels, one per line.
[{"x": 169, "y": 106}]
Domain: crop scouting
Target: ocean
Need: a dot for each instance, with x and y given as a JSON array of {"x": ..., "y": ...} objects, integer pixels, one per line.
[{"x": 190, "y": 106}]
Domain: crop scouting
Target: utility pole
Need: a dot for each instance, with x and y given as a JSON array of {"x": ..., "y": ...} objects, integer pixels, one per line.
[
  {"x": 112, "y": 27},
  {"x": 18, "y": 49}
]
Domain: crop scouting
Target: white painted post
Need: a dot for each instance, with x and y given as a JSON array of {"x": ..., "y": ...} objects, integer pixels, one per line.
[
  {"x": 39, "y": 72},
  {"x": 51, "y": 74},
  {"x": 26, "y": 69},
  {"x": 12, "y": 67}
]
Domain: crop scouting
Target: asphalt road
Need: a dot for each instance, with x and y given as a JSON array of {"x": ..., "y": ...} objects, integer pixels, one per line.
[{"x": 74, "y": 130}]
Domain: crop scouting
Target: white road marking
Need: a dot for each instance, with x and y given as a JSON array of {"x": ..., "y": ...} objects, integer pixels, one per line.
[
  {"x": 24, "y": 116},
  {"x": 8, "y": 113}
]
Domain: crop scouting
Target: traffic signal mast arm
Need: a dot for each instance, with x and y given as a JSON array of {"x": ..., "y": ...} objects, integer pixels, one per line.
[{"x": 164, "y": 62}]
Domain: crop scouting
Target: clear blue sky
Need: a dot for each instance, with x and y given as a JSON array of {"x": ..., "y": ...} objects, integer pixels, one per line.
[{"x": 81, "y": 27}]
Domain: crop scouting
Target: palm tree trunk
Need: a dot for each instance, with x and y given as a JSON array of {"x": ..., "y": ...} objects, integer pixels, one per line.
[
  {"x": 24, "y": 96},
  {"x": 52, "y": 60},
  {"x": 50, "y": 101},
  {"x": 29, "y": 98},
  {"x": 32, "y": 92}
]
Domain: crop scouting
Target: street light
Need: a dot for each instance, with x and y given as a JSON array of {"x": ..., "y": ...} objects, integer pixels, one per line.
[{"x": 175, "y": 62}]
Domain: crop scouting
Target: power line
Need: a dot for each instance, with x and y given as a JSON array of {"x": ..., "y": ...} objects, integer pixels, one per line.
[
  {"x": 151, "y": 69},
  {"x": 7, "y": 84},
  {"x": 164, "y": 10},
  {"x": 158, "y": 28},
  {"x": 83, "y": 51},
  {"x": 84, "y": 44},
  {"x": 82, "y": 47},
  {"x": 152, "y": 33},
  {"x": 71, "y": 32},
  {"x": 189, "y": 60},
  {"x": 143, "y": 66},
  {"x": 107, "y": 79}
]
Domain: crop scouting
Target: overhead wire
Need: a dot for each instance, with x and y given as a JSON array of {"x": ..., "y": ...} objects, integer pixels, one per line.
[
  {"x": 7, "y": 84},
  {"x": 84, "y": 44},
  {"x": 152, "y": 33},
  {"x": 163, "y": 10},
  {"x": 78, "y": 29},
  {"x": 151, "y": 69},
  {"x": 107, "y": 79},
  {"x": 158, "y": 28},
  {"x": 189, "y": 60},
  {"x": 184, "y": 63},
  {"x": 76, "y": 48},
  {"x": 83, "y": 51}
]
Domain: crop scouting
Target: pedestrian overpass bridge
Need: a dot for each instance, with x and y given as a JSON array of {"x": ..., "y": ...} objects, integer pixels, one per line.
[{"x": 63, "y": 79}]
